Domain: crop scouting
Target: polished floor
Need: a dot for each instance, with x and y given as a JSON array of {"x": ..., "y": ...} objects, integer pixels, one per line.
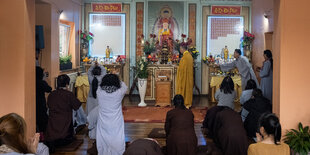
[
  {"x": 141, "y": 130},
  {"x": 198, "y": 101}
]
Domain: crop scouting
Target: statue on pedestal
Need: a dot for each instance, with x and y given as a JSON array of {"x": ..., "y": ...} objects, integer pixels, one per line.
[
  {"x": 165, "y": 32},
  {"x": 107, "y": 52},
  {"x": 225, "y": 53}
]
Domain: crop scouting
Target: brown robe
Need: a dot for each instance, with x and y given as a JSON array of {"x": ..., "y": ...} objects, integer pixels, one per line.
[
  {"x": 229, "y": 133},
  {"x": 180, "y": 132},
  {"x": 209, "y": 120},
  {"x": 143, "y": 147},
  {"x": 61, "y": 103}
]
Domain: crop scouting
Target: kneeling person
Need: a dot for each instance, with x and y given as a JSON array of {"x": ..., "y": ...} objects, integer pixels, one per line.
[{"x": 60, "y": 103}]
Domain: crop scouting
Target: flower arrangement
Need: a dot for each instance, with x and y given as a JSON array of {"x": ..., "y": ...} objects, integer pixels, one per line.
[
  {"x": 141, "y": 68},
  {"x": 154, "y": 59},
  {"x": 86, "y": 60},
  {"x": 208, "y": 59},
  {"x": 247, "y": 39},
  {"x": 85, "y": 38},
  {"x": 108, "y": 70},
  {"x": 175, "y": 58},
  {"x": 119, "y": 59},
  {"x": 194, "y": 52},
  {"x": 178, "y": 43},
  {"x": 149, "y": 46}
]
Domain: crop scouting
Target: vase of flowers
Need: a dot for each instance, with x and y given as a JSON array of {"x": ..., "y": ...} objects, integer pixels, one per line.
[
  {"x": 208, "y": 60},
  {"x": 86, "y": 37},
  {"x": 142, "y": 83},
  {"x": 247, "y": 40},
  {"x": 142, "y": 75},
  {"x": 184, "y": 41},
  {"x": 149, "y": 46}
]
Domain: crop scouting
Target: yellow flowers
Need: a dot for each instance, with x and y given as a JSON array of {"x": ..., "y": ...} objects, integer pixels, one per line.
[
  {"x": 194, "y": 52},
  {"x": 107, "y": 69},
  {"x": 208, "y": 59},
  {"x": 86, "y": 59}
]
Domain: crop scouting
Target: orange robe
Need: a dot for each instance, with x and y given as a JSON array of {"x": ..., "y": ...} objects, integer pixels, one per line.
[{"x": 185, "y": 81}]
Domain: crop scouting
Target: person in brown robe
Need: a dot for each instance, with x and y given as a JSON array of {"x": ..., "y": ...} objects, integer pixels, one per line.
[
  {"x": 229, "y": 133},
  {"x": 60, "y": 102},
  {"x": 146, "y": 146},
  {"x": 179, "y": 126},
  {"x": 209, "y": 120}
]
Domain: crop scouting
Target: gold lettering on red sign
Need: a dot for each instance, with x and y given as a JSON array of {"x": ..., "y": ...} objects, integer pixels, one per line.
[{"x": 227, "y": 10}]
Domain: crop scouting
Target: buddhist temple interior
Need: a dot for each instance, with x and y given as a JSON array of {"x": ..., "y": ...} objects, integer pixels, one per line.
[{"x": 145, "y": 43}]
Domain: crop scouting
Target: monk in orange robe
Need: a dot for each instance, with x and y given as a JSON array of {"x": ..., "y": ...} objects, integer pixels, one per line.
[{"x": 185, "y": 75}]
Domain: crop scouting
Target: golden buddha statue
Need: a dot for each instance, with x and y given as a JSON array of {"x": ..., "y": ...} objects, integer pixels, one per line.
[
  {"x": 226, "y": 52},
  {"x": 107, "y": 52}
]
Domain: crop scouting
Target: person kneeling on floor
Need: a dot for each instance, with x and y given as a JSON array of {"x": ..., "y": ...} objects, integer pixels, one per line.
[{"x": 60, "y": 125}]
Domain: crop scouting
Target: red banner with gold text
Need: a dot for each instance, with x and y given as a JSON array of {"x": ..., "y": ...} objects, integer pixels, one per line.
[
  {"x": 106, "y": 7},
  {"x": 226, "y": 10}
]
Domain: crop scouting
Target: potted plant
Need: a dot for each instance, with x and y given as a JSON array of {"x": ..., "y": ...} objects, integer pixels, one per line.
[
  {"x": 65, "y": 62},
  {"x": 299, "y": 140}
]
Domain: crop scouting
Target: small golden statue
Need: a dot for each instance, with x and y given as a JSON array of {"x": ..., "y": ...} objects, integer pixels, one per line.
[
  {"x": 225, "y": 53},
  {"x": 107, "y": 52}
]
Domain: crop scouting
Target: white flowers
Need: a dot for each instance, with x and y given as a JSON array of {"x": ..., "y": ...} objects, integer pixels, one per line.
[{"x": 141, "y": 66}]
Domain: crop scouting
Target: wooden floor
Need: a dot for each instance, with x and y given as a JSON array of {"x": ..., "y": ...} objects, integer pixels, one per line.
[
  {"x": 141, "y": 130},
  {"x": 133, "y": 131}
]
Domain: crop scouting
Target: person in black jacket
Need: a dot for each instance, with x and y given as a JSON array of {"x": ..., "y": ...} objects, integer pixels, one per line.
[
  {"x": 256, "y": 106},
  {"x": 41, "y": 109}
]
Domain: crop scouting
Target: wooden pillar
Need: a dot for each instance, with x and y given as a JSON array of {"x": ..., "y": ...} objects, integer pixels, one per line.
[{"x": 139, "y": 25}]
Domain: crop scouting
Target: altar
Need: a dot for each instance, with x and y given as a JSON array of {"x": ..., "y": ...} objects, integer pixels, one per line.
[
  {"x": 216, "y": 77},
  {"x": 160, "y": 73},
  {"x": 216, "y": 81},
  {"x": 112, "y": 68}
]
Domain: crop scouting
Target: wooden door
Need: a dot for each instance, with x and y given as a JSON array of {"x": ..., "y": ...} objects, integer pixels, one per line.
[{"x": 268, "y": 40}]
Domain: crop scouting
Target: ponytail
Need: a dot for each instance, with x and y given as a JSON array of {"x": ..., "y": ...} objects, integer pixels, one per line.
[
  {"x": 277, "y": 133},
  {"x": 271, "y": 125},
  {"x": 94, "y": 87},
  {"x": 271, "y": 61},
  {"x": 96, "y": 72}
]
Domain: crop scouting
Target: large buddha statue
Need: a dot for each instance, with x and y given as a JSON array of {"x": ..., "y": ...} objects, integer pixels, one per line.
[{"x": 165, "y": 32}]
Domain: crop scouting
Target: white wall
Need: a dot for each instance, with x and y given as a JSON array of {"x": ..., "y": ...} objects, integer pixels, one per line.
[{"x": 112, "y": 36}]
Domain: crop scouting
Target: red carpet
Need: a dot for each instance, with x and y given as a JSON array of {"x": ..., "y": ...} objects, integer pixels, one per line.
[{"x": 157, "y": 114}]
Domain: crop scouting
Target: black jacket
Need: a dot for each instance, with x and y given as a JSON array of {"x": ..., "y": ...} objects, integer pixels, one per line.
[{"x": 256, "y": 107}]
